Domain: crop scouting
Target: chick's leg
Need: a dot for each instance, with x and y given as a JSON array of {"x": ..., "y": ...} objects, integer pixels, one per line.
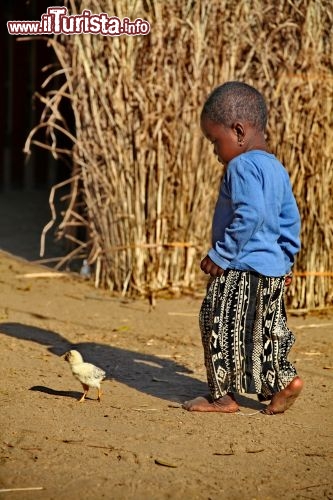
[
  {"x": 85, "y": 389},
  {"x": 99, "y": 393}
]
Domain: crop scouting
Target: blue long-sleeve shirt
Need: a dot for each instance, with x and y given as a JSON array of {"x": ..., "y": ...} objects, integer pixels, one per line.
[{"x": 256, "y": 223}]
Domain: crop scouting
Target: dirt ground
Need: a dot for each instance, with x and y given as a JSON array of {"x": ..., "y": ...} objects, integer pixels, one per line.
[{"x": 138, "y": 443}]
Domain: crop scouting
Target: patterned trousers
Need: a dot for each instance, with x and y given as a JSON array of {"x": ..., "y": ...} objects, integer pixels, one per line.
[{"x": 245, "y": 336}]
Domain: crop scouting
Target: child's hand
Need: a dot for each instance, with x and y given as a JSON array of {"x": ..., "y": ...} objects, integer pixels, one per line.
[
  {"x": 209, "y": 267},
  {"x": 288, "y": 279}
]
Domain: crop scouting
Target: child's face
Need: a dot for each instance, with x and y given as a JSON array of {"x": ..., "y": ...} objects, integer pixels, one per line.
[{"x": 224, "y": 140}]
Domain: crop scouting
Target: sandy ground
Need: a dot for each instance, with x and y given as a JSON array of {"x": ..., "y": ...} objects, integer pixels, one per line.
[{"x": 138, "y": 443}]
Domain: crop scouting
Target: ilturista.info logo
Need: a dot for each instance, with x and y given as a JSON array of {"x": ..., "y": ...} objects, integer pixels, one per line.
[{"x": 56, "y": 21}]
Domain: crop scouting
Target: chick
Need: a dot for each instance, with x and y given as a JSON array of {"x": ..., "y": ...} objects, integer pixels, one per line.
[{"x": 89, "y": 375}]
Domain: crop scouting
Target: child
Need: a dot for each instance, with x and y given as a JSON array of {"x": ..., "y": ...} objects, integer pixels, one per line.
[{"x": 255, "y": 236}]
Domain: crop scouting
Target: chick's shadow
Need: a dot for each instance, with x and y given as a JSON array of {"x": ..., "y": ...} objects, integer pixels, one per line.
[{"x": 159, "y": 377}]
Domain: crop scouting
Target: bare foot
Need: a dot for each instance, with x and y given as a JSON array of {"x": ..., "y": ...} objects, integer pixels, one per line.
[
  {"x": 226, "y": 404},
  {"x": 282, "y": 400}
]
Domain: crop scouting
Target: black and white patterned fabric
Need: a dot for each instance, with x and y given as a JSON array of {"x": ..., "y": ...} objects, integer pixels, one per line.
[{"x": 245, "y": 335}]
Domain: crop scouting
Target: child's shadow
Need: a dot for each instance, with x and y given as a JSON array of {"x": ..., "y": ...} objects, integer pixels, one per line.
[{"x": 150, "y": 374}]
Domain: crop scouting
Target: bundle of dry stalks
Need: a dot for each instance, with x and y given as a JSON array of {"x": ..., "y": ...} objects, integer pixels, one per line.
[{"x": 144, "y": 180}]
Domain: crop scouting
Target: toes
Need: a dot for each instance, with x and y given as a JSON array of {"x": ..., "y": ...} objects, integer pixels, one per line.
[
  {"x": 188, "y": 405},
  {"x": 268, "y": 411}
]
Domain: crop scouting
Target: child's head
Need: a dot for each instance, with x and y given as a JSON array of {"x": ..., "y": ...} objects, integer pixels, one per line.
[
  {"x": 236, "y": 101},
  {"x": 234, "y": 118}
]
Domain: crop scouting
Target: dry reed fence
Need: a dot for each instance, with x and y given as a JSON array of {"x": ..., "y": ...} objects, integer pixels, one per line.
[{"x": 144, "y": 181}]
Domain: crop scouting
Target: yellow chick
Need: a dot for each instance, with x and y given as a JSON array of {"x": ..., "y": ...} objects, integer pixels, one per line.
[{"x": 89, "y": 375}]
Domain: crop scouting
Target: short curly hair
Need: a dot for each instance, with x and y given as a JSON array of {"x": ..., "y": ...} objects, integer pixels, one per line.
[{"x": 234, "y": 101}]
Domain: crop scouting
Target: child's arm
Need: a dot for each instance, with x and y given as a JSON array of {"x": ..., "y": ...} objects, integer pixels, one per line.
[
  {"x": 289, "y": 240},
  {"x": 243, "y": 185}
]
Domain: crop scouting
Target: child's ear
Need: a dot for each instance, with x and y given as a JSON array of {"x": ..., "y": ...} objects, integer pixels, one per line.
[
  {"x": 239, "y": 129},
  {"x": 240, "y": 132}
]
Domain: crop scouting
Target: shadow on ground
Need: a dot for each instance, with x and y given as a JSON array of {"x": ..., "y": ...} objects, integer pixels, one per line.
[
  {"x": 146, "y": 373},
  {"x": 149, "y": 374}
]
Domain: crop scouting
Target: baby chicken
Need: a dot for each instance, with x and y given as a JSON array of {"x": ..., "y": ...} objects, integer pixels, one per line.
[{"x": 89, "y": 375}]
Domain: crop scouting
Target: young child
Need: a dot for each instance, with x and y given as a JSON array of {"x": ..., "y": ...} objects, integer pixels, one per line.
[{"x": 255, "y": 236}]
